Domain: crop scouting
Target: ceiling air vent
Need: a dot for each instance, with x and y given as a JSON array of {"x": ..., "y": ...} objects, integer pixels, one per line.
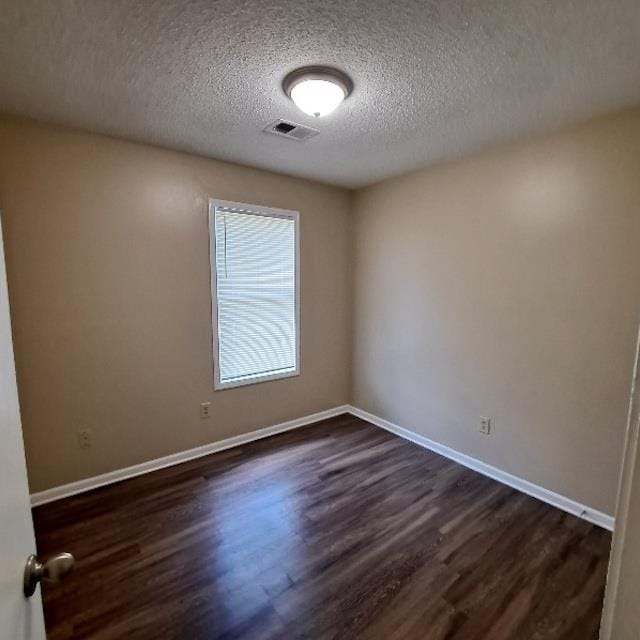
[{"x": 291, "y": 130}]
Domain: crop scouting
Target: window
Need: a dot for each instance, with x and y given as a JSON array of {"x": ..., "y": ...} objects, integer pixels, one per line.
[{"x": 255, "y": 292}]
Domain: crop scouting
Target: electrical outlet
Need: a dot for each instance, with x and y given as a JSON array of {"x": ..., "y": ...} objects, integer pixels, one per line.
[
  {"x": 485, "y": 425},
  {"x": 205, "y": 410},
  {"x": 84, "y": 438}
]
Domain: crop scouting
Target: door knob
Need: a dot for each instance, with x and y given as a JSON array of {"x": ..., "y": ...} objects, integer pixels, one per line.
[{"x": 53, "y": 570}]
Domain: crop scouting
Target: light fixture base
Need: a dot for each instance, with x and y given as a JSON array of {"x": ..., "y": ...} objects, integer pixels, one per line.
[{"x": 317, "y": 72}]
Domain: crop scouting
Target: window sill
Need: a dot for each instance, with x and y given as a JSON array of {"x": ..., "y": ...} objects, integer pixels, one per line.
[{"x": 248, "y": 380}]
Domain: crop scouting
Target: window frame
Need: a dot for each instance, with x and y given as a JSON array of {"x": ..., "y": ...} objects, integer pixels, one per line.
[{"x": 259, "y": 210}]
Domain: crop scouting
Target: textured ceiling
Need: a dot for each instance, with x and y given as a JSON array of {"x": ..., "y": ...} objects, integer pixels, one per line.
[{"x": 433, "y": 79}]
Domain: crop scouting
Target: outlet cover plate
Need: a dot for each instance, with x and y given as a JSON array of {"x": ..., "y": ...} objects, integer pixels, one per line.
[
  {"x": 205, "y": 410},
  {"x": 485, "y": 425}
]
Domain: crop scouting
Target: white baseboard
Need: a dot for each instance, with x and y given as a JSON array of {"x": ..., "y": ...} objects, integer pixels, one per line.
[
  {"x": 73, "y": 488},
  {"x": 561, "y": 502}
]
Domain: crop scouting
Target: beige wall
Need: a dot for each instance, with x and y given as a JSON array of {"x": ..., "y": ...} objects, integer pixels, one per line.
[
  {"x": 107, "y": 257},
  {"x": 508, "y": 285}
]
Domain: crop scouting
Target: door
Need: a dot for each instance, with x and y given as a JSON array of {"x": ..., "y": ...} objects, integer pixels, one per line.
[
  {"x": 20, "y": 618},
  {"x": 621, "y": 616}
]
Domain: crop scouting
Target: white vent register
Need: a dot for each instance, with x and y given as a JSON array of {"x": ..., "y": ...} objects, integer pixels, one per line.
[
  {"x": 291, "y": 130},
  {"x": 255, "y": 293}
]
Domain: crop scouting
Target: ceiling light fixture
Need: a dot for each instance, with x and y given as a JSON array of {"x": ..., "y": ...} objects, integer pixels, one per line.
[{"x": 317, "y": 91}]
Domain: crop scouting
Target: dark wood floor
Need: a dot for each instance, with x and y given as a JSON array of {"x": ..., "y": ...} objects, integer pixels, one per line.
[{"x": 339, "y": 530}]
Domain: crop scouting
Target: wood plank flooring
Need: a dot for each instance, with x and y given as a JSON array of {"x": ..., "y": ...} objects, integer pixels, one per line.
[{"x": 339, "y": 530}]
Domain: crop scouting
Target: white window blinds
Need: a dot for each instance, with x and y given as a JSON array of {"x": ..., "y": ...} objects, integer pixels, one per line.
[{"x": 255, "y": 314}]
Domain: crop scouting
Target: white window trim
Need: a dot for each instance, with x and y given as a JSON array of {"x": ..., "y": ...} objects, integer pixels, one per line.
[{"x": 261, "y": 211}]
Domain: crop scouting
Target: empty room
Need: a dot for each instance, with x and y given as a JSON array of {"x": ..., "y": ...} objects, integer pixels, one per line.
[{"x": 319, "y": 320}]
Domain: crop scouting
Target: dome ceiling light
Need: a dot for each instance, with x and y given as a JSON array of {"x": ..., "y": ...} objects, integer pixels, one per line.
[{"x": 317, "y": 91}]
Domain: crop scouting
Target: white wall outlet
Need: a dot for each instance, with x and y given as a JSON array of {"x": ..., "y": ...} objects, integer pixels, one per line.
[
  {"x": 485, "y": 425},
  {"x": 84, "y": 438},
  {"x": 205, "y": 410}
]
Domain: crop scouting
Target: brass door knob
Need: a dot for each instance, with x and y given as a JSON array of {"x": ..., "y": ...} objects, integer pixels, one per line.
[{"x": 53, "y": 570}]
